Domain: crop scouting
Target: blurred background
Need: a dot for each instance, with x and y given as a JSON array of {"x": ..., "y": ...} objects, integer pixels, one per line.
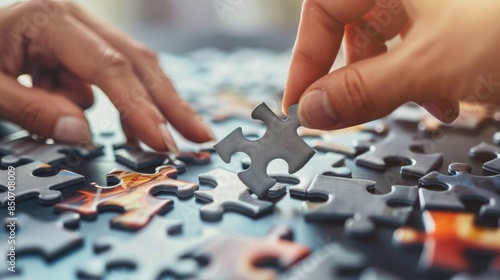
[{"x": 179, "y": 26}]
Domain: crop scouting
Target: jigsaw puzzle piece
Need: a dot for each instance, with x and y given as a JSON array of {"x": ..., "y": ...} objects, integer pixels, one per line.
[
  {"x": 279, "y": 141},
  {"x": 324, "y": 164},
  {"x": 134, "y": 194},
  {"x": 247, "y": 252},
  {"x": 152, "y": 251},
  {"x": 461, "y": 186},
  {"x": 136, "y": 158},
  {"x": 328, "y": 262},
  {"x": 351, "y": 200},
  {"x": 229, "y": 194},
  {"x": 485, "y": 150},
  {"x": 197, "y": 158},
  {"x": 28, "y": 184},
  {"x": 496, "y": 138},
  {"x": 447, "y": 235},
  {"x": 373, "y": 273},
  {"x": 49, "y": 239},
  {"x": 398, "y": 146}
]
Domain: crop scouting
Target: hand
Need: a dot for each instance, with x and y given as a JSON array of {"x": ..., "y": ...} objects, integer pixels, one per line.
[
  {"x": 449, "y": 53},
  {"x": 65, "y": 50}
]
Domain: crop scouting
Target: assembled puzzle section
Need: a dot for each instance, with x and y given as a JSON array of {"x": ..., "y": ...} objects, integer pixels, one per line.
[{"x": 280, "y": 141}]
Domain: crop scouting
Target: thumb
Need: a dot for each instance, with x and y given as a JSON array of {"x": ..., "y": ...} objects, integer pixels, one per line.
[
  {"x": 42, "y": 113},
  {"x": 359, "y": 92}
]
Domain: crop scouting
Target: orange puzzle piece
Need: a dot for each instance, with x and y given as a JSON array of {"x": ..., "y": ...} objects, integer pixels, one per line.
[
  {"x": 447, "y": 236},
  {"x": 133, "y": 194}
]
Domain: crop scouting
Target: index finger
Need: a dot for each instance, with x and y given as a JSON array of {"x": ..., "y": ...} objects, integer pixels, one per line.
[{"x": 319, "y": 37}]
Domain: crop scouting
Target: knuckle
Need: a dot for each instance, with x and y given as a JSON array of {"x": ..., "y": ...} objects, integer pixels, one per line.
[
  {"x": 114, "y": 63},
  {"x": 356, "y": 98}
]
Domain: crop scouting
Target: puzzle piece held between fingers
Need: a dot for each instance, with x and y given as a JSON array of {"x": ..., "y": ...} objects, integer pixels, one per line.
[
  {"x": 280, "y": 141},
  {"x": 50, "y": 239},
  {"x": 229, "y": 193},
  {"x": 351, "y": 200},
  {"x": 245, "y": 253},
  {"x": 399, "y": 146},
  {"x": 28, "y": 184},
  {"x": 133, "y": 193},
  {"x": 460, "y": 187},
  {"x": 446, "y": 238},
  {"x": 152, "y": 251},
  {"x": 485, "y": 150}
]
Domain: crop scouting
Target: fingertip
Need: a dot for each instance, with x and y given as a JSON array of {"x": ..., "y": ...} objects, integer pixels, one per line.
[{"x": 315, "y": 110}]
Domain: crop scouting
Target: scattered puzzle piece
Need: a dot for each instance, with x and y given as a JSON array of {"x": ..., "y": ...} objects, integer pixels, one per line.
[
  {"x": 246, "y": 252},
  {"x": 280, "y": 141},
  {"x": 136, "y": 158},
  {"x": 324, "y": 164},
  {"x": 328, "y": 262},
  {"x": 50, "y": 239},
  {"x": 398, "y": 146},
  {"x": 447, "y": 235},
  {"x": 133, "y": 194},
  {"x": 373, "y": 273},
  {"x": 28, "y": 184},
  {"x": 496, "y": 138},
  {"x": 197, "y": 158},
  {"x": 27, "y": 149},
  {"x": 351, "y": 200},
  {"x": 152, "y": 251},
  {"x": 485, "y": 150},
  {"x": 460, "y": 187},
  {"x": 229, "y": 193}
]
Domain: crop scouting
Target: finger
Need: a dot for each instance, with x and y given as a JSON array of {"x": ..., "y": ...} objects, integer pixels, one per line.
[
  {"x": 318, "y": 40},
  {"x": 62, "y": 82},
  {"x": 145, "y": 63},
  {"x": 42, "y": 113},
  {"x": 358, "y": 45}
]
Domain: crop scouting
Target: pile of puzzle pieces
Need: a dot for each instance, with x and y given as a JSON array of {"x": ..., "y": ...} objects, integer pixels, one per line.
[{"x": 402, "y": 197}]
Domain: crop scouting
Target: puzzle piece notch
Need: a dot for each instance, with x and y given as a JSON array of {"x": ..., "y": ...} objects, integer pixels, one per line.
[
  {"x": 447, "y": 235},
  {"x": 324, "y": 164},
  {"x": 247, "y": 252},
  {"x": 26, "y": 149},
  {"x": 50, "y": 239},
  {"x": 228, "y": 194},
  {"x": 29, "y": 185},
  {"x": 279, "y": 141},
  {"x": 461, "y": 186},
  {"x": 134, "y": 194},
  {"x": 152, "y": 251},
  {"x": 398, "y": 146},
  {"x": 328, "y": 263},
  {"x": 347, "y": 200},
  {"x": 485, "y": 150}
]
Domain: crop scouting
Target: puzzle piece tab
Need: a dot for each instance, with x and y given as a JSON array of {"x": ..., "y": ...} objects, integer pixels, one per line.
[
  {"x": 446, "y": 238},
  {"x": 398, "y": 146},
  {"x": 280, "y": 141},
  {"x": 351, "y": 200},
  {"x": 133, "y": 194},
  {"x": 485, "y": 150},
  {"x": 229, "y": 193},
  {"x": 28, "y": 184},
  {"x": 247, "y": 252},
  {"x": 460, "y": 187},
  {"x": 152, "y": 251}
]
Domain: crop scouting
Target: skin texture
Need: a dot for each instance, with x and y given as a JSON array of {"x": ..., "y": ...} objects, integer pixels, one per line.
[
  {"x": 449, "y": 54},
  {"x": 65, "y": 50}
]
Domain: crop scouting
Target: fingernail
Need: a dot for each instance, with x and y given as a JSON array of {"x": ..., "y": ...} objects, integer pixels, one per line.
[
  {"x": 167, "y": 138},
  {"x": 432, "y": 108},
  {"x": 315, "y": 110},
  {"x": 73, "y": 130}
]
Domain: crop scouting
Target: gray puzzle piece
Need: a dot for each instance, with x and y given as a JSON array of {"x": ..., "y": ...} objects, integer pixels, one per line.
[
  {"x": 27, "y": 149},
  {"x": 397, "y": 146},
  {"x": 152, "y": 251},
  {"x": 29, "y": 185},
  {"x": 137, "y": 158},
  {"x": 496, "y": 138},
  {"x": 485, "y": 150},
  {"x": 229, "y": 193},
  {"x": 328, "y": 262},
  {"x": 280, "y": 141},
  {"x": 47, "y": 238},
  {"x": 461, "y": 186},
  {"x": 324, "y": 164},
  {"x": 373, "y": 273},
  {"x": 350, "y": 200}
]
